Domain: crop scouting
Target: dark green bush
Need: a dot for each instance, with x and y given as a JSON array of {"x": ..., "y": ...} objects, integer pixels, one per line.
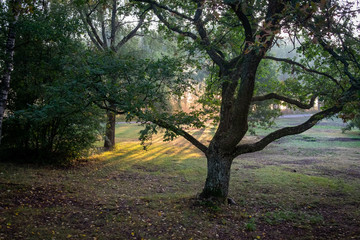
[{"x": 49, "y": 134}]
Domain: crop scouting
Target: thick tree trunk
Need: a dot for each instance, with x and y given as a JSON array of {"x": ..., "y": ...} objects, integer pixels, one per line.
[
  {"x": 218, "y": 177},
  {"x": 9, "y": 65},
  {"x": 110, "y": 131}
]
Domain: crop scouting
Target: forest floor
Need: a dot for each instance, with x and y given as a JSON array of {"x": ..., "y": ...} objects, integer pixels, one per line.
[{"x": 300, "y": 187}]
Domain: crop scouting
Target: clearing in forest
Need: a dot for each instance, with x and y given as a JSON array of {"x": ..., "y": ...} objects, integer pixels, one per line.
[{"x": 300, "y": 187}]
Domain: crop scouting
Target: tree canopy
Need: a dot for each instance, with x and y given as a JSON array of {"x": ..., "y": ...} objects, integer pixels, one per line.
[
  {"x": 75, "y": 64},
  {"x": 236, "y": 36}
]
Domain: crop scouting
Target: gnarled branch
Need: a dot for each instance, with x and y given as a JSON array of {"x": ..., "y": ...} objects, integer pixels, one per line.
[
  {"x": 196, "y": 21},
  {"x": 166, "y": 8},
  {"x": 285, "y": 99},
  {"x": 182, "y": 133},
  {"x": 171, "y": 27},
  {"x": 134, "y": 31},
  {"x": 215, "y": 54},
  {"x": 314, "y": 119},
  {"x": 244, "y": 21}
]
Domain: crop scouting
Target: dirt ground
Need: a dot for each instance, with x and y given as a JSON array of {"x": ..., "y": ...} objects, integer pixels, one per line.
[{"x": 300, "y": 187}]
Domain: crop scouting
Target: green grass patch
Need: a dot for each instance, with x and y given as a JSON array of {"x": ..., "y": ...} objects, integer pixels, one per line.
[
  {"x": 301, "y": 187},
  {"x": 280, "y": 216}
]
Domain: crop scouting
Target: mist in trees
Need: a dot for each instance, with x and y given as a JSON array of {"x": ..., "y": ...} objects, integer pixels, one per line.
[
  {"x": 62, "y": 85},
  {"x": 79, "y": 63},
  {"x": 236, "y": 36}
]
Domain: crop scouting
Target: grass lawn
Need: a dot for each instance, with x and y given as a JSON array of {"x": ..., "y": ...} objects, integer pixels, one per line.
[{"x": 300, "y": 187}]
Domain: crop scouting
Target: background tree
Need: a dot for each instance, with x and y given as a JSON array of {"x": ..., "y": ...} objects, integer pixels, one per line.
[
  {"x": 7, "y": 64},
  {"x": 110, "y": 24},
  {"x": 236, "y": 36}
]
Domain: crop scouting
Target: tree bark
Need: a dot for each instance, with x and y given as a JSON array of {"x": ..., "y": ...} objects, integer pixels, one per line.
[
  {"x": 9, "y": 64},
  {"x": 110, "y": 131},
  {"x": 218, "y": 176}
]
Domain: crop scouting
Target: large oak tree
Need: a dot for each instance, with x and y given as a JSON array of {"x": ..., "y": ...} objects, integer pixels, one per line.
[{"x": 236, "y": 36}]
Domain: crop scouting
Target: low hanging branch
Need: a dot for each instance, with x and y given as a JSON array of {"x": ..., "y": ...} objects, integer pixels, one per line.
[
  {"x": 285, "y": 99},
  {"x": 182, "y": 133},
  {"x": 260, "y": 145}
]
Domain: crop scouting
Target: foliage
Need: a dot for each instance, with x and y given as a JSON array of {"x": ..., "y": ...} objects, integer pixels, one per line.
[
  {"x": 354, "y": 123},
  {"x": 226, "y": 39},
  {"x": 351, "y": 116},
  {"x": 110, "y": 27},
  {"x": 235, "y": 38},
  {"x": 50, "y": 133},
  {"x": 251, "y": 224},
  {"x": 49, "y": 117},
  {"x": 130, "y": 83}
]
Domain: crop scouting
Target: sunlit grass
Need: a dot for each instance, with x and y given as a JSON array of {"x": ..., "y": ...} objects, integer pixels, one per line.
[
  {"x": 292, "y": 189},
  {"x": 133, "y": 152}
]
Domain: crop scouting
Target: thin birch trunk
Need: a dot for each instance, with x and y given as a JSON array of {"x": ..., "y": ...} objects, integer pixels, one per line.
[{"x": 9, "y": 63}]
